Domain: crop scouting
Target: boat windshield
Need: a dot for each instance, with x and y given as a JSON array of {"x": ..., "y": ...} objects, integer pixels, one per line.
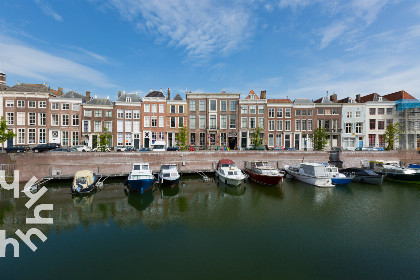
[
  {"x": 166, "y": 175},
  {"x": 228, "y": 165},
  {"x": 370, "y": 172},
  {"x": 167, "y": 167},
  {"x": 259, "y": 164},
  {"x": 81, "y": 180},
  {"x": 233, "y": 173}
]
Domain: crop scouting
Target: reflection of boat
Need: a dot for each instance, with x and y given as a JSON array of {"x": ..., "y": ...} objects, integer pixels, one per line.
[
  {"x": 338, "y": 178},
  {"x": 262, "y": 172},
  {"x": 364, "y": 175},
  {"x": 231, "y": 190},
  {"x": 82, "y": 201},
  {"x": 257, "y": 190},
  {"x": 168, "y": 174},
  {"x": 310, "y": 173},
  {"x": 85, "y": 181},
  {"x": 228, "y": 173},
  {"x": 140, "y": 202},
  {"x": 140, "y": 178},
  {"x": 392, "y": 170},
  {"x": 170, "y": 192}
]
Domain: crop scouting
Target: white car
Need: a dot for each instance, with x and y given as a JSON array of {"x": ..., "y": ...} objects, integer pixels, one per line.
[
  {"x": 101, "y": 149},
  {"x": 81, "y": 148}
]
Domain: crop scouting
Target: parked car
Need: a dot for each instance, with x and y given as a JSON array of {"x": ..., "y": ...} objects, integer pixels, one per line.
[
  {"x": 379, "y": 149},
  {"x": 17, "y": 149},
  {"x": 290, "y": 149},
  {"x": 145, "y": 150},
  {"x": 82, "y": 148},
  {"x": 278, "y": 148},
  {"x": 172, "y": 148},
  {"x": 338, "y": 149},
  {"x": 126, "y": 149},
  {"x": 46, "y": 147},
  {"x": 101, "y": 149},
  {"x": 364, "y": 149}
]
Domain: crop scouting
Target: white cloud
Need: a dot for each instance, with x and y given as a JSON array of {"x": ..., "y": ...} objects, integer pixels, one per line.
[
  {"x": 28, "y": 62},
  {"x": 201, "y": 27},
  {"x": 332, "y": 32},
  {"x": 48, "y": 10}
]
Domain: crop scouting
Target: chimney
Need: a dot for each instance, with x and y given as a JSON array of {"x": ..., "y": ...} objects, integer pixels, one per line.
[
  {"x": 169, "y": 95},
  {"x": 2, "y": 78},
  {"x": 60, "y": 91},
  {"x": 358, "y": 98},
  {"x": 87, "y": 96},
  {"x": 263, "y": 94},
  {"x": 333, "y": 98},
  {"x": 119, "y": 93}
]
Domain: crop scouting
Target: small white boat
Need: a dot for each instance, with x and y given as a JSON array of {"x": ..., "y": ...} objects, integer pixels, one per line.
[
  {"x": 310, "y": 173},
  {"x": 229, "y": 173},
  {"x": 338, "y": 178},
  {"x": 168, "y": 174},
  {"x": 85, "y": 181}
]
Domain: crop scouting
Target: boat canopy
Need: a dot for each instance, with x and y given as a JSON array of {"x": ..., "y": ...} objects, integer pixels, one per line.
[
  {"x": 225, "y": 163},
  {"x": 84, "y": 177},
  {"x": 140, "y": 166}
]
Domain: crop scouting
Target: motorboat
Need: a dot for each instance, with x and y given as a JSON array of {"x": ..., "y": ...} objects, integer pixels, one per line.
[
  {"x": 394, "y": 171},
  {"x": 362, "y": 175},
  {"x": 140, "y": 178},
  {"x": 310, "y": 173},
  {"x": 262, "y": 172},
  {"x": 168, "y": 174},
  {"x": 229, "y": 173},
  {"x": 338, "y": 178},
  {"x": 84, "y": 182}
]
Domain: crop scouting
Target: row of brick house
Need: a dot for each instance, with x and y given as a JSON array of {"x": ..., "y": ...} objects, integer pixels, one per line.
[{"x": 38, "y": 114}]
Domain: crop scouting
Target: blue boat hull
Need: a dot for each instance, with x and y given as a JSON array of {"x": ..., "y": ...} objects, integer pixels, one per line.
[
  {"x": 341, "y": 181},
  {"x": 140, "y": 185}
]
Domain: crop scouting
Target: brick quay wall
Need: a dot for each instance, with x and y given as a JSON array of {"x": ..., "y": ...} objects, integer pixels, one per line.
[{"x": 47, "y": 164}]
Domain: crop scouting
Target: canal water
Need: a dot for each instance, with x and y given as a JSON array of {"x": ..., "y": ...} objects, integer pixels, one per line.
[{"x": 208, "y": 230}]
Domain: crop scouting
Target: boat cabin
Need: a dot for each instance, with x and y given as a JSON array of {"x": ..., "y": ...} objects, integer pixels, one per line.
[
  {"x": 226, "y": 163},
  {"x": 140, "y": 166}
]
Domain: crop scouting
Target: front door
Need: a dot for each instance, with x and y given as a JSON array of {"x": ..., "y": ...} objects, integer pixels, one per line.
[
  {"x": 136, "y": 143},
  {"x": 287, "y": 140},
  {"x": 244, "y": 140},
  {"x": 360, "y": 142},
  {"x": 232, "y": 143}
]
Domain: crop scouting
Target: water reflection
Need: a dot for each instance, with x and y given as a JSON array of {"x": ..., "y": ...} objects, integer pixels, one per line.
[
  {"x": 83, "y": 200},
  {"x": 138, "y": 201},
  {"x": 169, "y": 191},
  {"x": 231, "y": 190}
]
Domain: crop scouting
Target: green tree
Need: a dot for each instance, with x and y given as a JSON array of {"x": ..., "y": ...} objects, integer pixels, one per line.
[
  {"x": 391, "y": 134},
  {"x": 319, "y": 138},
  {"x": 5, "y": 133},
  {"x": 182, "y": 138},
  {"x": 104, "y": 139},
  {"x": 256, "y": 138}
]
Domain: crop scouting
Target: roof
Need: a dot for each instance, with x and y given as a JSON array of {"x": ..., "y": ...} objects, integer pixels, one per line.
[
  {"x": 134, "y": 97},
  {"x": 371, "y": 97},
  {"x": 226, "y": 161},
  {"x": 73, "y": 94},
  {"x": 303, "y": 101},
  {"x": 155, "y": 93},
  {"x": 279, "y": 101},
  {"x": 252, "y": 93},
  {"x": 100, "y": 101},
  {"x": 178, "y": 97},
  {"x": 3, "y": 87},
  {"x": 398, "y": 96},
  {"x": 323, "y": 100},
  {"x": 347, "y": 100},
  {"x": 31, "y": 88}
]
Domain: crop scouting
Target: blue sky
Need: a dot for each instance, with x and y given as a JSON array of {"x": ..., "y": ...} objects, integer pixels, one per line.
[{"x": 291, "y": 48}]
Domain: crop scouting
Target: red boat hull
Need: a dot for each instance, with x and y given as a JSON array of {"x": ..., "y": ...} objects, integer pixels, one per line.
[{"x": 264, "y": 179}]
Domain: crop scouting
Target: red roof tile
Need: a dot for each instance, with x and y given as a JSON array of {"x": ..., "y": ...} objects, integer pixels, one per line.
[
  {"x": 398, "y": 96},
  {"x": 279, "y": 101}
]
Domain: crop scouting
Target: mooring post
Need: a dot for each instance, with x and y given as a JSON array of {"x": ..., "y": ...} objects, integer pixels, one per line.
[{"x": 99, "y": 170}]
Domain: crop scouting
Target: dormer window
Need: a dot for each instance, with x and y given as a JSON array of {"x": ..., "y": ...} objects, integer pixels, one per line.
[{"x": 128, "y": 99}]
